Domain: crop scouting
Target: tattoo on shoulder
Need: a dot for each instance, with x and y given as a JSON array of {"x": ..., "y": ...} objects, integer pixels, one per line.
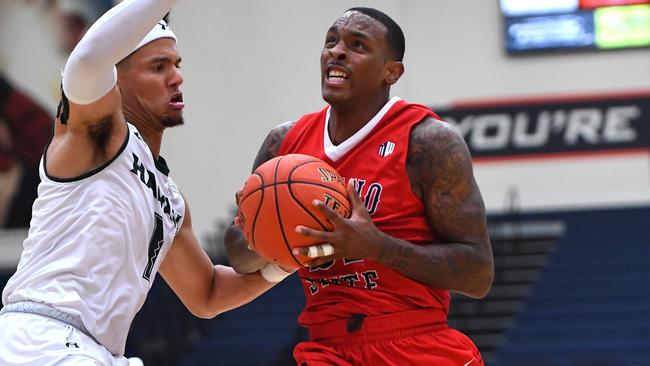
[
  {"x": 434, "y": 148},
  {"x": 272, "y": 143},
  {"x": 441, "y": 164}
]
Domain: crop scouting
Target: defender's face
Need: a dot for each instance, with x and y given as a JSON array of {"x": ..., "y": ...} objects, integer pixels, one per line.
[
  {"x": 354, "y": 57},
  {"x": 150, "y": 79}
]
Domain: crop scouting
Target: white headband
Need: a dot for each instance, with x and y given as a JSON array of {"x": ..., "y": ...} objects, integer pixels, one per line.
[{"x": 161, "y": 30}]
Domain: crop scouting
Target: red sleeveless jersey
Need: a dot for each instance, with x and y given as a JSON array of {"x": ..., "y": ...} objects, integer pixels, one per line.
[{"x": 376, "y": 156}]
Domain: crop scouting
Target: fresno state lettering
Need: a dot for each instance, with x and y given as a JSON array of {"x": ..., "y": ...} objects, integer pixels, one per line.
[
  {"x": 372, "y": 195},
  {"x": 366, "y": 279},
  {"x": 376, "y": 157}
]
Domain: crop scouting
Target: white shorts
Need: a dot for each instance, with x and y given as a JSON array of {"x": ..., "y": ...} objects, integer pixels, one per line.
[{"x": 35, "y": 340}]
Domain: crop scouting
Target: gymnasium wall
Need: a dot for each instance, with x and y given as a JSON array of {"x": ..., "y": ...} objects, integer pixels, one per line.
[
  {"x": 559, "y": 152},
  {"x": 250, "y": 65}
]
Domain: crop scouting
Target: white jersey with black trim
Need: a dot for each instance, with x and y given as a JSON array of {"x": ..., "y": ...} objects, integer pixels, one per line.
[{"x": 96, "y": 242}]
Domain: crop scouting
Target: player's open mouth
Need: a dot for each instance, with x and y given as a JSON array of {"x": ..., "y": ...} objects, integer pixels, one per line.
[
  {"x": 335, "y": 73},
  {"x": 176, "y": 101}
]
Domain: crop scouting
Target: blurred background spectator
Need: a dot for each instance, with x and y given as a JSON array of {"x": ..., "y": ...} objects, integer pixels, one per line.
[
  {"x": 25, "y": 121},
  {"x": 24, "y": 130}
]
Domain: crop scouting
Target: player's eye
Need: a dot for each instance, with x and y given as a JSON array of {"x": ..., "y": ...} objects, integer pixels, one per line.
[
  {"x": 360, "y": 45},
  {"x": 330, "y": 41}
]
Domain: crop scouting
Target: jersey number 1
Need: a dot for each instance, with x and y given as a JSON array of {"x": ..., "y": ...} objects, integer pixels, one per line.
[{"x": 155, "y": 244}]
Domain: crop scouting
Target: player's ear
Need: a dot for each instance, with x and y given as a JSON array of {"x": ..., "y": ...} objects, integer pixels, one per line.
[{"x": 394, "y": 70}]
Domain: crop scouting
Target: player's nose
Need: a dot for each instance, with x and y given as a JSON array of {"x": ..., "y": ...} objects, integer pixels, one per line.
[
  {"x": 176, "y": 77},
  {"x": 338, "y": 52}
]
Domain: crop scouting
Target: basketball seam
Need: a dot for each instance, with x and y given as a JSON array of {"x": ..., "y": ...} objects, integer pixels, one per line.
[
  {"x": 349, "y": 208},
  {"x": 322, "y": 186},
  {"x": 342, "y": 193},
  {"x": 290, "y": 182},
  {"x": 257, "y": 212},
  {"x": 277, "y": 210},
  {"x": 294, "y": 182},
  {"x": 275, "y": 183},
  {"x": 301, "y": 205}
]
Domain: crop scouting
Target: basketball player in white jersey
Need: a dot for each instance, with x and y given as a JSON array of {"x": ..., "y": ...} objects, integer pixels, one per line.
[{"x": 108, "y": 216}]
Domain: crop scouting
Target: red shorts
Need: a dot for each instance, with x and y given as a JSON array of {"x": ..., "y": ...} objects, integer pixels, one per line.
[{"x": 419, "y": 337}]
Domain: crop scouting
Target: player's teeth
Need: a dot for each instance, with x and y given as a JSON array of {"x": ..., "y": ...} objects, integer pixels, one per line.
[{"x": 337, "y": 74}]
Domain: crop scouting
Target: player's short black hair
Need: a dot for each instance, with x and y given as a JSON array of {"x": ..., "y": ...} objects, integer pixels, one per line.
[{"x": 394, "y": 34}]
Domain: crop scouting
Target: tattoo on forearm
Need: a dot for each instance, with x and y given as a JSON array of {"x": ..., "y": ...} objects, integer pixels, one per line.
[{"x": 397, "y": 258}]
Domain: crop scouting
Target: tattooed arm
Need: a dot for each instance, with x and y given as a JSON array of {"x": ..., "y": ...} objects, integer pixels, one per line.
[
  {"x": 440, "y": 169},
  {"x": 242, "y": 259}
]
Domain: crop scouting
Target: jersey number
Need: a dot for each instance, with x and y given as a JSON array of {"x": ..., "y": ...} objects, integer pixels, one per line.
[{"x": 155, "y": 243}]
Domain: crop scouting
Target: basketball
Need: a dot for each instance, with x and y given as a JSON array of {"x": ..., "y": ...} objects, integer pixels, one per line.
[{"x": 278, "y": 196}]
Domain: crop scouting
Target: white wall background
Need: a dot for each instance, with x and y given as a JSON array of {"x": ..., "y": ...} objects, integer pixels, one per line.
[{"x": 252, "y": 64}]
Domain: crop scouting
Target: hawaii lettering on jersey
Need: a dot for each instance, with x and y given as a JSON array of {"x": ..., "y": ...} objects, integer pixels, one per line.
[{"x": 148, "y": 178}]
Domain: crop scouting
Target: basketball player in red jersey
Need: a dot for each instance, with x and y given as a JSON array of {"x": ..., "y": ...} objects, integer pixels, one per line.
[{"x": 378, "y": 289}]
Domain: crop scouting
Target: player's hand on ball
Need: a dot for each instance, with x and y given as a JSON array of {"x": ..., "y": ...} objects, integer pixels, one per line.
[
  {"x": 321, "y": 254},
  {"x": 237, "y": 199},
  {"x": 278, "y": 196},
  {"x": 356, "y": 237},
  {"x": 238, "y": 196}
]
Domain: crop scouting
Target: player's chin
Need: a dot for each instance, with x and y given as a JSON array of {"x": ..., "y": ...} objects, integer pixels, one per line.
[
  {"x": 172, "y": 121},
  {"x": 333, "y": 96}
]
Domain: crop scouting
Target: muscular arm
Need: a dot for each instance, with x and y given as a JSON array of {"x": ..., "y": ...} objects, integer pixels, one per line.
[
  {"x": 240, "y": 257},
  {"x": 439, "y": 166},
  {"x": 205, "y": 289},
  {"x": 91, "y": 127},
  {"x": 90, "y": 72}
]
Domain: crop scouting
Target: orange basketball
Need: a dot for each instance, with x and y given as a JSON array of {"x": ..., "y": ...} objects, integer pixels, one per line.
[{"x": 278, "y": 196}]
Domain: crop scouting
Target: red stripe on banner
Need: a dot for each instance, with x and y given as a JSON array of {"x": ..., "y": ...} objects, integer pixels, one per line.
[
  {"x": 550, "y": 99},
  {"x": 562, "y": 155}
]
